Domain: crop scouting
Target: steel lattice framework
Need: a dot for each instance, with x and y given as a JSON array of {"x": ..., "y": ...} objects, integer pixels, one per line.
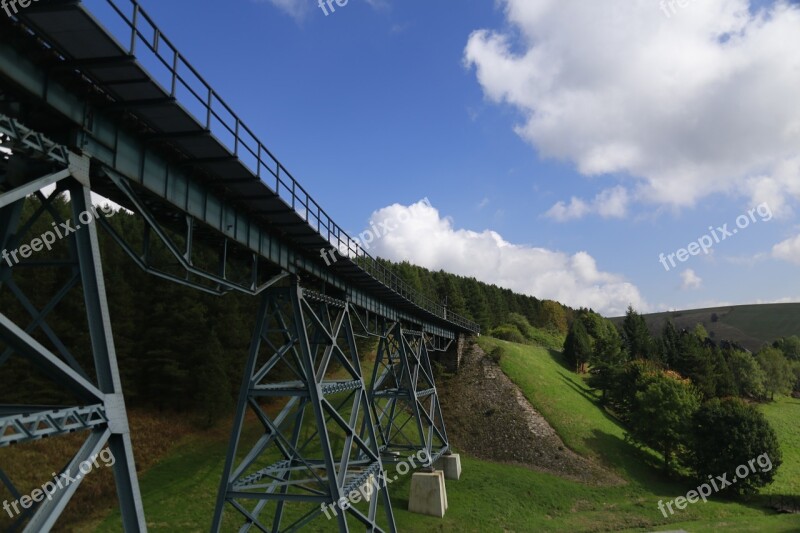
[
  {"x": 304, "y": 357},
  {"x": 323, "y": 430},
  {"x": 99, "y": 408},
  {"x": 403, "y": 392}
]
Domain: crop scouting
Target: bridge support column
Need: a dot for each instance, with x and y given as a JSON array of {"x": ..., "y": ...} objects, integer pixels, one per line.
[
  {"x": 316, "y": 445},
  {"x": 450, "y": 358},
  {"x": 403, "y": 393},
  {"x": 88, "y": 399}
]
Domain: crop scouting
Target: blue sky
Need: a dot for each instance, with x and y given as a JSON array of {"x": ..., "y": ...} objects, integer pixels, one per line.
[{"x": 563, "y": 145}]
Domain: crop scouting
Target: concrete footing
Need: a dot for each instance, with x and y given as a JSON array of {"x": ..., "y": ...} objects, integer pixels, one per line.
[
  {"x": 428, "y": 494},
  {"x": 450, "y": 465}
]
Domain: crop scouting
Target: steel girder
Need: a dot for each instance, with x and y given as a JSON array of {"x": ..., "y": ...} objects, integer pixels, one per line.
[
  {"x": 100, "y": 409},
  {"x": 304, "y": 384},
  {"x": 217, "y": 282},
  {"x": 403, "y": 394}
]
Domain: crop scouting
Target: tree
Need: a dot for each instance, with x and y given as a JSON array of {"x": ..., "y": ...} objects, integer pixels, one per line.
[
  {"x": 477, "y": 304},
  {"x": 724, "y": 382},
  {"x": 663, "y": 413},
  {"x": 694, "y": 360},
  {"x": 521, "y": 323},
  {"x": 796, "y": 369},
  {"x": 449, "y": 292},
  {"x": 700, "y": 332},
  {"x": 636, "y": 336},
  {"x": 607, "y": 361},
  {"x": 577, "y": 346},
  {"x": 747, "y": 375},
  {"x": 555, "y": 316},
  {"x": 790, "y": 346},
  {"x": 211, "y": 382},
  {"x": 727, "y": 434},
  {"x": 669, "y": 344},
  {"x": 777, "y": 371}
]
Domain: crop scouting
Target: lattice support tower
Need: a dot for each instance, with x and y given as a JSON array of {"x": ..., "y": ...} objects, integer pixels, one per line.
[{"x": 316, "y": 442}]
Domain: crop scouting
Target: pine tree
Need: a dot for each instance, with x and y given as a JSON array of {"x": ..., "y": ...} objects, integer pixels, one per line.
[{"x": 577, "y": 346}]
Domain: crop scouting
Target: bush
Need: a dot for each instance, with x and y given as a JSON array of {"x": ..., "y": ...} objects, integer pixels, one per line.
[
  {"x": 519, "y": 322},
  {"x": 497, "y": 353},
  {"x": 547, "y": 339},
  {"x": 508, "y": 333},
  {"x": 729, "y": 433}
]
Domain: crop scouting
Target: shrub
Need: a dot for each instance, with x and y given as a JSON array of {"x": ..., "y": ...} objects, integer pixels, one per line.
[
  {"x": 547, "y": 339},
  {"x": 521, "y": 323},
  {"x": 497, "y": 353},
  {"x": 508, "y": 333},
  {"x": 729, "y": 433}
]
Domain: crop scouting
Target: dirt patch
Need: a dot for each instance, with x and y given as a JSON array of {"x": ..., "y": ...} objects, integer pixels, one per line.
[{"x": 488, "y": 417}]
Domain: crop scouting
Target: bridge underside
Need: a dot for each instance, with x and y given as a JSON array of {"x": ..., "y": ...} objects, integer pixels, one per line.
[{"x": 83, "y": 115}]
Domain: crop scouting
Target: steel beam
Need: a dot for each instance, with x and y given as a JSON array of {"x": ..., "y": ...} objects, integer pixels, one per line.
[
  {"x": 25, "y": 427},
  {"x": 404, "y": 398},
  {"x": 321, "y": 445},
  {"x": 103, "y": 413}
]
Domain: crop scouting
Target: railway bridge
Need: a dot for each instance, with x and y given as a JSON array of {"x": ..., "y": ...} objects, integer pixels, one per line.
[{"x": 94, "y": 98}]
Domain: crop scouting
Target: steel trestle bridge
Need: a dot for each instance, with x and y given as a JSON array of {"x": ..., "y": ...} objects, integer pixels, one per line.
[{"x": 94, "y": 98}]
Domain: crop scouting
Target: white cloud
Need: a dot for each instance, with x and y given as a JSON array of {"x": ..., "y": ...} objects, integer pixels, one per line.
[
  {"x": 788, "y": 250},
  {"x": 697, "y": 104},
  {"x": 691, "y": 281},
  {"x": 610, "y": 203},
  {"x": 430, "y": 240},
  {"x": 297, "y": 9}
]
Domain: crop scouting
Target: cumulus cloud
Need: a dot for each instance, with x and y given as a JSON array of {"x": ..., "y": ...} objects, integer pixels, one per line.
[
  {"x": 788, "y": 250},
  {"x": 427, "y": 239},
  {"x": 684, "y": 107},
  {"x": 611, "y": 203},
  {"x": 690, "y": 280}
]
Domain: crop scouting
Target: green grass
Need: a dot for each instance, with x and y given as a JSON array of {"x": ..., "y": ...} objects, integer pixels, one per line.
[
  {"x": 564, "y": 399},
  {"x": 179, "y": 492},
  {"x": 784, "y": 416}
]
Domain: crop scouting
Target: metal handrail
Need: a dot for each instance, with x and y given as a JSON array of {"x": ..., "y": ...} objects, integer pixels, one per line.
[{"x": 245, "y": 142}]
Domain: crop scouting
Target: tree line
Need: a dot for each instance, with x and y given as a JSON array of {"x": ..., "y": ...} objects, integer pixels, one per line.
[
  {"x": 181, "y": 349},
  {"x": 683, "y": 395}
]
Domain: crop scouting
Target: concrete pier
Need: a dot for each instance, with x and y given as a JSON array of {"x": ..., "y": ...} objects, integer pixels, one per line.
[{"x": 428, "y": 494}]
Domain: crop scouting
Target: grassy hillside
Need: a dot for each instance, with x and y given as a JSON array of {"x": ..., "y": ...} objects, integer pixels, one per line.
[
  {"x": 749, "y": 325},
  {"x": 179, "y": 492},
  {"x": 563, "y": 398}
]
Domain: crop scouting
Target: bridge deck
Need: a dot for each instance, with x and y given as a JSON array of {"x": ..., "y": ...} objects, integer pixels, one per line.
[{"x": 178, "y": 113}]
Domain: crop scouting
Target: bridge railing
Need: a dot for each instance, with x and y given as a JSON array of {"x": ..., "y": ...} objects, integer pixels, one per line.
[{"x": 134, "y": 28}]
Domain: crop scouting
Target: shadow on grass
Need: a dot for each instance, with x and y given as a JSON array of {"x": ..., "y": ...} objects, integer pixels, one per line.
[
  {"x": 559, "y": 358},
  {"x": 586, "y": 392},
  {"x": 637, "y": 464}
]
